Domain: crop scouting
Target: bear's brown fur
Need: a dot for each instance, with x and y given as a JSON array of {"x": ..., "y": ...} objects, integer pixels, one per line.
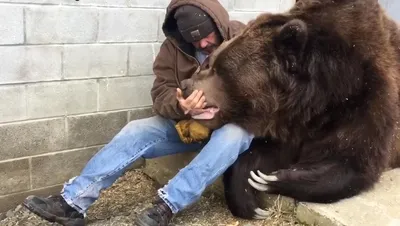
[{"x": 319, "y": 87}]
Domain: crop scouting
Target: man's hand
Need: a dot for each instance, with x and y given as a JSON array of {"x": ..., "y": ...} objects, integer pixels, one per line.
[{"x": 196, "y": 100}]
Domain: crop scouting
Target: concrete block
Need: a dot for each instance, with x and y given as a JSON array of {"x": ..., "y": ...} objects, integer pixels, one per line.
[
  {"x": 392, "y": 8},
  {"x": 119, "y": 3},
  {"x": 160, "y": 33},
  {"x": 128, "y": 25},
  {"x": 93, "y": 61},
  {"x": 386, "y": 193},
  {"x": 94, "y": 129},
  {"x": 108, "y": 3},
  {"x": 33, "y": 1},
  {"x": 227, "y": 4},
  {"x": 30, "y": 63},
  {"x": 286, "y": 204},
  {"x": 123, "y": 93},
  {"x": 31, "y": 138},
  {"x": 243, "y": 17},
  {"x": 14, "y": 176},
  {"x": 49, "y": 24},
  {"x": 61, "y": 98},
  {"x": 11, "y": 25},
  {"x": 8, "y": 202},
  {"x": 308, "y": 216},
  {"x": 257, "y": 5},
  {"x": 12, "y": 103},
  {"x": 156, "y": 49},
  {"x": 149, "y": 3},
  {"x": 140, "y": 113},
  {"x": 162, "y": 169},
  {"x": 379, "y": 206},
  {"x": 285, "y": 5},
  {"x": 141, "y": 59},
  {"x": 58, "y": 168}
]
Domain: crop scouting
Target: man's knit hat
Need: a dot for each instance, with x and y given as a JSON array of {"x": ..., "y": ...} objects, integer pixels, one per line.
[{"x": 193, "y": 23}]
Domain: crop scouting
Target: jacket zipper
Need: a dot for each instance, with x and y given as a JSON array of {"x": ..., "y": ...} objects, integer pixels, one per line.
[
  {"x": 198, "y": 63},
  {"x": 176, "y": 62}
]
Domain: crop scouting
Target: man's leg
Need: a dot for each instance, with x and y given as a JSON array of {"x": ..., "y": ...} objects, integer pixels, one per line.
[
  {"x": 148, "y": 138},
  {"x": 187, "y": 186}
]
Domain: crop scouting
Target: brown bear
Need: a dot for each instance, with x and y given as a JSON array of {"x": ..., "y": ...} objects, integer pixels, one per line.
[{"x": 318, "y": 85}]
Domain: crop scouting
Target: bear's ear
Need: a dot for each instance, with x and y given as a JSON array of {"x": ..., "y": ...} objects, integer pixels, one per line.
[{"x": 290, "y": 42}]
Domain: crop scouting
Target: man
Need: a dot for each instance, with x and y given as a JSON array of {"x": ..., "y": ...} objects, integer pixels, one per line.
[{"x": 194, "y": 28}]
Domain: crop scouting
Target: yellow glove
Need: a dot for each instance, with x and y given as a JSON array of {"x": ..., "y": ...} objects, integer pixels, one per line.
[{"x": 191, "y": 131}]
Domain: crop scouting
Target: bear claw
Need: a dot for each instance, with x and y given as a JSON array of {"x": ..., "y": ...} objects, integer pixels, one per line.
[
  {"x": 261, "y": 180},
  {"x": 257, "y": 178},
  {"x": 261, "y": 214},
  {"x": 267, "y": 177},
  {"x": 258, "y": 186}
]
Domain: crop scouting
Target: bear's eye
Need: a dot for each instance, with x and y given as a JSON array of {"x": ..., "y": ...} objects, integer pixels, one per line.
[
  {"x": 274, "y": 22},
  {"x": 292, "y": 65}
]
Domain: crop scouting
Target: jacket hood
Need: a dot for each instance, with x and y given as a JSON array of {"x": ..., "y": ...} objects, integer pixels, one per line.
[{"x": 213, "y": 7}]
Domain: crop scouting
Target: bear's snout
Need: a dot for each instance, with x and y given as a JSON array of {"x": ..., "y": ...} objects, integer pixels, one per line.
[{"x": 187, "y": 87}]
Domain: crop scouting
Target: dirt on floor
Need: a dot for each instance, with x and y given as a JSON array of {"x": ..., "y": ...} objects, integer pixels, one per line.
[{"x": 134, "y": 192}]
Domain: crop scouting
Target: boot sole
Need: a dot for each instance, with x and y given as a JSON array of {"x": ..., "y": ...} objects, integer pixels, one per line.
[
  {"x": 51, "y": 217},
  {"x": 139, "y": 222},
  {"x": 142, "y": 221}
]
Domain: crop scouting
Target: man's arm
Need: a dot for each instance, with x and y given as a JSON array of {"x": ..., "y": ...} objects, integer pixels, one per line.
[{"x": 164, "y": 88}]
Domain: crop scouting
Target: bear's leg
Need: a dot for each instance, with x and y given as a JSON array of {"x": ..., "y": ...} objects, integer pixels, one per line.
[
  {"x": 323, "y": 182},
  {"x": 240, "y": 197}
]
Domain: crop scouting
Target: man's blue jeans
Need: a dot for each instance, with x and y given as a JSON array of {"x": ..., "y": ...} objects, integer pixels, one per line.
[{"x": 155, "y": 137}]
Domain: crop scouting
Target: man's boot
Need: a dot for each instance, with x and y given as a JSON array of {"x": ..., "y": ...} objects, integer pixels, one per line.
[
  {"x": 54, "y": 209},
  {"x": 158, "y": 215}
]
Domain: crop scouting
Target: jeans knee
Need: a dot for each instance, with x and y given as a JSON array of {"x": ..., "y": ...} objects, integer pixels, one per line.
[
  {"x": 234, "y": 133},
  {"x": 145, "y": 126},
  {"x": 133, "y": 126}
]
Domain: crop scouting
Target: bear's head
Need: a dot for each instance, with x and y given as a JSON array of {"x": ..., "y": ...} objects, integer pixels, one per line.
[{"x": 285, "y": 71}]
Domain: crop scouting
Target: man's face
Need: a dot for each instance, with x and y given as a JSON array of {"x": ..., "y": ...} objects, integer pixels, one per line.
[{"x": 208, "y": 44}]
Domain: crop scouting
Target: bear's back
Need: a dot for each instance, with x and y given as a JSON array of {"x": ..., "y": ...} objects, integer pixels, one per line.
[{"x": 377, "y": 41}]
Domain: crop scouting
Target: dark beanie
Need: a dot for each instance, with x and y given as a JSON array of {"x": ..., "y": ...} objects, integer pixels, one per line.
[{"x": 193, "y": 23}]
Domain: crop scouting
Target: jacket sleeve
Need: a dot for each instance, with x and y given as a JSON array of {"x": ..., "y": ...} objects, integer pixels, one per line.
[{"x": 163, "y": 92}]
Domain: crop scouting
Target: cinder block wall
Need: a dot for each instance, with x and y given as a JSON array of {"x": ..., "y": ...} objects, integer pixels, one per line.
[{"x": 72, "y": 74}]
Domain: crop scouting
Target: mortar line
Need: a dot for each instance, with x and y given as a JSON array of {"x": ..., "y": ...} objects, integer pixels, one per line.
[
  {"x": 97, "y": 26},
  {"x": 31, "y": 120},
  {"x": 156, "y": 8},
  {"x": 71, "y": 80},
  {"x": 53, "y": 153},
  {"x": 24, "y": 23},
  {"x": 22, "y": 192},
  {"x": 127, "y": 61},
  {"x": 251, "y": 11},
  {"x": 30, "y": 173},
  {"x": 62, "y": 62},
  {"x": 128, "y": 117},
  {"x": 98, "y": 95},
  {"x": 154, "y": 51},
  {"x": 25, "y": 86},
  {"x": 158, "y": 25},
  {"x": 66, "y": 130},
  {"x": 82, "y": 43}
]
